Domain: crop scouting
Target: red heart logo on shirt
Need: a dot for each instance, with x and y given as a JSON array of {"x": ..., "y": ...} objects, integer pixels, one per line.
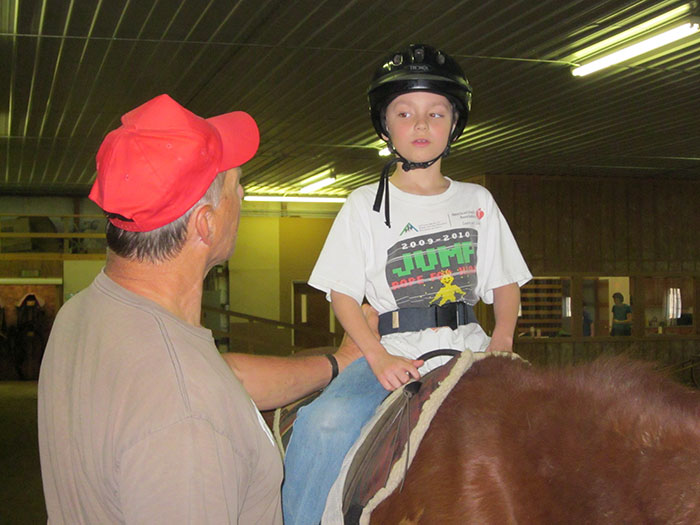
[{"x": 479, "y": 213}]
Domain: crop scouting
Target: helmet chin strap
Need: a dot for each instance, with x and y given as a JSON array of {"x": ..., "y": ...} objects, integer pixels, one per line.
[{"x": 406, "y": 165}]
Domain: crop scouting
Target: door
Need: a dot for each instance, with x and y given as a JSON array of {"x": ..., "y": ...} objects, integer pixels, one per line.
[{"x": 311, "y": 310}]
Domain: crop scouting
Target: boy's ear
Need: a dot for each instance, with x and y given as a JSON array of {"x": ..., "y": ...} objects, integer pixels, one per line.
[{"x": 204, "y": 227}]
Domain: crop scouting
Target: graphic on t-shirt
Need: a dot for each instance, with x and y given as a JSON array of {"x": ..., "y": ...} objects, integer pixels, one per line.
[
  {"x": 416, "y": 267},
  {"x": 447, "y": 294},
  {"x": 408, "y": 228}
]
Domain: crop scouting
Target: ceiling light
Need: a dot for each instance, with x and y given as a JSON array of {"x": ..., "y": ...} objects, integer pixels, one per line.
[
  {"x": 316, "y": 176},
  {"x": 635, "y": 50},
  {"x": 275, "y": 198},
  {"x": 674, "y": 16},
  {"x": 310, "y": 188}
]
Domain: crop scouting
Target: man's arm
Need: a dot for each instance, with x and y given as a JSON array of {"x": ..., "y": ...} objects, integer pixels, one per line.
[
  {"x": 505, "y": 309},
  {"x": 275, "y": 381}
]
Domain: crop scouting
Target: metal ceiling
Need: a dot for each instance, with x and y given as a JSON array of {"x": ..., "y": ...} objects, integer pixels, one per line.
[{"x": 71, "y": 68}]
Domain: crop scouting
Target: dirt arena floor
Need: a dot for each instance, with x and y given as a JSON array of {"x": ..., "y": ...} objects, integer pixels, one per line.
[{"x": 21, "y": 495}]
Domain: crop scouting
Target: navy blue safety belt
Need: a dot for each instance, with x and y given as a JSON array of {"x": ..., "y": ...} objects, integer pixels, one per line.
[{"x": 417, "y": 319}]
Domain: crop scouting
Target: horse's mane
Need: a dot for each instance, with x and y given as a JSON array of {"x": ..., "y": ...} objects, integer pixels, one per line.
[{"x": 607, "y": 442}]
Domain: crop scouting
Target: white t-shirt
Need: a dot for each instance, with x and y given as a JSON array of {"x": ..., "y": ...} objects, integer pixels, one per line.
[{"x": 455, "y": 246}]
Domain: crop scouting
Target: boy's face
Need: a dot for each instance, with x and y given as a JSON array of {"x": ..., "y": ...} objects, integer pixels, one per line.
[{"x": 420, "y": 124}]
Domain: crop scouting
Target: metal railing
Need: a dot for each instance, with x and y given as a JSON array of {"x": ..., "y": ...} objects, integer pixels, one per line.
[
  {"x": 259, "y": 335},
  {"x": 38, "y": 235}
]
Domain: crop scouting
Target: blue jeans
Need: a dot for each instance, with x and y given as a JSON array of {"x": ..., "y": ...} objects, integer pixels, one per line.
[{"x": 323, "y": 433}]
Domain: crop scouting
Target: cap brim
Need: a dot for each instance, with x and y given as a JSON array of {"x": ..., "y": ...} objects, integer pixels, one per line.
[{"x": 240, "y": 138}]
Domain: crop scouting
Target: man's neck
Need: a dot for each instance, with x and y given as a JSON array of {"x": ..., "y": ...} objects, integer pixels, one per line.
[{"x": 176, "y": 285}]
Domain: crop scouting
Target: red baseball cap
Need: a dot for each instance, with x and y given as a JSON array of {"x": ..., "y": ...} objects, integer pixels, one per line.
[{"x": 162, "y": 160}]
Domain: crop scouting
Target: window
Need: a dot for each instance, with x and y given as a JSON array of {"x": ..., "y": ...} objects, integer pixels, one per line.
[
  {"x": 601, "y": 315},
  {"x": 603, "y": 306},
  {"x": 669, "y": 304},
  {"x": 545, "y": 308}
]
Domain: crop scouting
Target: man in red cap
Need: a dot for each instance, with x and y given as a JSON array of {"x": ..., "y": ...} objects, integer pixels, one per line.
[{"x": 140, "y": 418}]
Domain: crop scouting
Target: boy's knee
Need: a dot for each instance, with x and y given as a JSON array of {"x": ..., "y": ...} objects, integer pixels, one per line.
[{"x": 332, "y": 415}]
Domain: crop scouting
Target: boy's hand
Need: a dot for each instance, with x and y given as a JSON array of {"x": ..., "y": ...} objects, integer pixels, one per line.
[
  {"x": 394, "y": 371},
  {"x": 500, "y": 344}
]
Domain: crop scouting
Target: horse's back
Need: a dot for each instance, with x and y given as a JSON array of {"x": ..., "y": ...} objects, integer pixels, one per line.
[{"x": 608, "y": 442}]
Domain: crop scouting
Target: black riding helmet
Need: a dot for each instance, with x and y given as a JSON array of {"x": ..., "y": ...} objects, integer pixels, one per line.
[{"x": 418, "y": 68}]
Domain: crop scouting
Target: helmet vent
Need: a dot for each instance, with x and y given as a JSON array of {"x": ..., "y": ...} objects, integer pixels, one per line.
[
  {"x": 398, "y": 59},
  {"x": 440, "y": 59},
  {"x": 419, "y": 54}
]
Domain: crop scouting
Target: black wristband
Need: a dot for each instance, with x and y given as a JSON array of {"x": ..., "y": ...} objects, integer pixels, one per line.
[{"x": 334, "y": 366}]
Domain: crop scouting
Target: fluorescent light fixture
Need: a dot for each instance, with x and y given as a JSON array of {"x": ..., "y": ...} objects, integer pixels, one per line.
[
  {"x": 316, "y": 176},
  {"x": 626, "y": 53},
  {"x": 384, "y": 152},
  {"x": 634, "y": 33},
  {"x": 279, "y": 198},
  {"x": 310, "y": 188}
]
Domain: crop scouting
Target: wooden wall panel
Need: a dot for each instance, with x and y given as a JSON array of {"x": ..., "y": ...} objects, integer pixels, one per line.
[
  {"x": 689, "y": 218},
  {"x": 663, "y": 215},
  {"x": 582, "y": 237},
  {"x": 634, "y": 226},
  {"x": 566, "y": 237},
  {"x": 520, "y": 214},
  {"x": 550, "y": 225},
  {"x": 619, "y": 226},
  {"x": 648, "y": 227},
  {"x": 603, "y": 201},
  {"x": 577, "y": 225},
  {"x": 676, "y": 229},
  {"x": 540, "y": 213}
]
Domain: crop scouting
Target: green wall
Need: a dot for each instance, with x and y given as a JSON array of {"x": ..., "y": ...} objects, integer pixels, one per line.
[
  {"x": 301, "y": 240},
  {"x": 78, "y": 275},
  {"x": 271, "y": 253},
  {"x": 254, "y": 268}
]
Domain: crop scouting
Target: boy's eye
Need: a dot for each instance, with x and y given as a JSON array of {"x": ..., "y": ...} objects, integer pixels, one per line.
[
  {"x": 403, "y": 114},
  {"x": 437, "y": 115}
]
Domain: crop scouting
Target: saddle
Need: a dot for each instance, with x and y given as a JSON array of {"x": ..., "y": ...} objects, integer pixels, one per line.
[
  {"x": 384, "y": 444},
  {"x": 375, "y": 466}
]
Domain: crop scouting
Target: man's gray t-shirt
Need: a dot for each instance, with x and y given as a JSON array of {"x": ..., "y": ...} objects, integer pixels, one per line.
[{"x": 142, "y": 421}]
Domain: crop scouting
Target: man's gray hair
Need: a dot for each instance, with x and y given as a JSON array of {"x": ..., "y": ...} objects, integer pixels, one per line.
[{"x": 163, "y": 243}]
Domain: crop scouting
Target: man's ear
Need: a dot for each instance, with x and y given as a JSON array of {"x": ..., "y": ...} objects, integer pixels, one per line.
[{"x": 203, "y": 222}]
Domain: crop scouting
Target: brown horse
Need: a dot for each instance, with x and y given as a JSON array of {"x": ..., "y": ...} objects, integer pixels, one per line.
[{"x": 610, "y": 442}]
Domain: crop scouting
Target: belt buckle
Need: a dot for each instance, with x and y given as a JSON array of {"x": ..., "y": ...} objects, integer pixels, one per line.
[{"x": 447, "y": 315}]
